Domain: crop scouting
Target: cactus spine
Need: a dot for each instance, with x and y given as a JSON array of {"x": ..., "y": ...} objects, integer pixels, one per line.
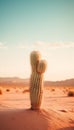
[{"x": 36, "y": 80}]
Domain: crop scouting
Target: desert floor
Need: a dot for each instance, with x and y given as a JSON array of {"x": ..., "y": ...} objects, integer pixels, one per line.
[{"x": 57, "y": 109}]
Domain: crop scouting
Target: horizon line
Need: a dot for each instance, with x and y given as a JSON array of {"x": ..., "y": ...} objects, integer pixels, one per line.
[{"x": 29, "y": 78}]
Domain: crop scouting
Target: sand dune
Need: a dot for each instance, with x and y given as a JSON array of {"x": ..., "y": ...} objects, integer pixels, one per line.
[
  {"x": 33, "y": 120},
  {"x": 57, "y": 110}
]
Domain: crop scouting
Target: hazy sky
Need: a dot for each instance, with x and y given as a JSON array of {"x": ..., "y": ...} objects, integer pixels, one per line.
[{"x": 44, "y": 25}]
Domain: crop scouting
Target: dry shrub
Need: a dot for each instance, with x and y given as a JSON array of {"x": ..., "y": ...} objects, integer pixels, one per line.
[
  {"x": 67, "y": 90},
  {"x": 71, "y": 93},
  {"x": 1, "y": 92},
  {"x": 52, "y": 89},
  {"x": 7, "y": 90},
  {"x": 27, "y": 90}
]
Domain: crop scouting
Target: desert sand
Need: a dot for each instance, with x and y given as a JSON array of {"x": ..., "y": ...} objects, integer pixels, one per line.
[{"x": 56, "y": 113}]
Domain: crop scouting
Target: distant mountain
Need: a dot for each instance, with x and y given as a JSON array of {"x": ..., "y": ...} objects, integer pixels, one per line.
[
  {"x": 67, "y": 82},
  {"x": 12, "y": 79},
  {"x": 6, "y": 81},
  {"x": 25, "y": 82}
]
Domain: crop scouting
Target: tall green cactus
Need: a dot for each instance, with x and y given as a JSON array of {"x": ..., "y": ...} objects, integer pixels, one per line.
[{"x": 36, "y": 80}]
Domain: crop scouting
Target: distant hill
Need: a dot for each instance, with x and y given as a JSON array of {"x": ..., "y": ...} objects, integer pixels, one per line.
[
  {"x": 9, "y": 81},
  {"x": 6, "y": 81},
  {"x": 67, "y": 82}
]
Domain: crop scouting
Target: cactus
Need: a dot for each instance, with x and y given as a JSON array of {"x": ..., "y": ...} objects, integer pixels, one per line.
[
  {"x": 36, "y": 80},
  {"x": 34, "y": 58}
]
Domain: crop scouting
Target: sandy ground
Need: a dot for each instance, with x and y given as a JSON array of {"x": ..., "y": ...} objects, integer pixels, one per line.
[{"x": 57, "y": 110}]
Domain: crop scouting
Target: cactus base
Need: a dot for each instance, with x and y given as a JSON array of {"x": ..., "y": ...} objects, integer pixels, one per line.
[{"x": 35, "y": 107}]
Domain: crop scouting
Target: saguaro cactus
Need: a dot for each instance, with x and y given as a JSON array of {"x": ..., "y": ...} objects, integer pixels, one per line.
[{"x": 36, "y": 80}]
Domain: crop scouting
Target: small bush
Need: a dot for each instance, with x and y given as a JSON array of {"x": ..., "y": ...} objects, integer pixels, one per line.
[
  {"x": 7, "y": 90},
  {"x": 1, "y": 92},
  {"x": 25, "y": 91},
  {"x": 71, "y": 93},
  {"x": 52, "y": 89}
]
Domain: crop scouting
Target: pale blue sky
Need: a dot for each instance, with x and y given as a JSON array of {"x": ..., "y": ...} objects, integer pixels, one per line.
[{"x": 44, "y": 25}]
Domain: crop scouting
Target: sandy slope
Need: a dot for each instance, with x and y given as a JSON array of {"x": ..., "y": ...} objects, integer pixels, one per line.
[{"x": 57, "y": 111}]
